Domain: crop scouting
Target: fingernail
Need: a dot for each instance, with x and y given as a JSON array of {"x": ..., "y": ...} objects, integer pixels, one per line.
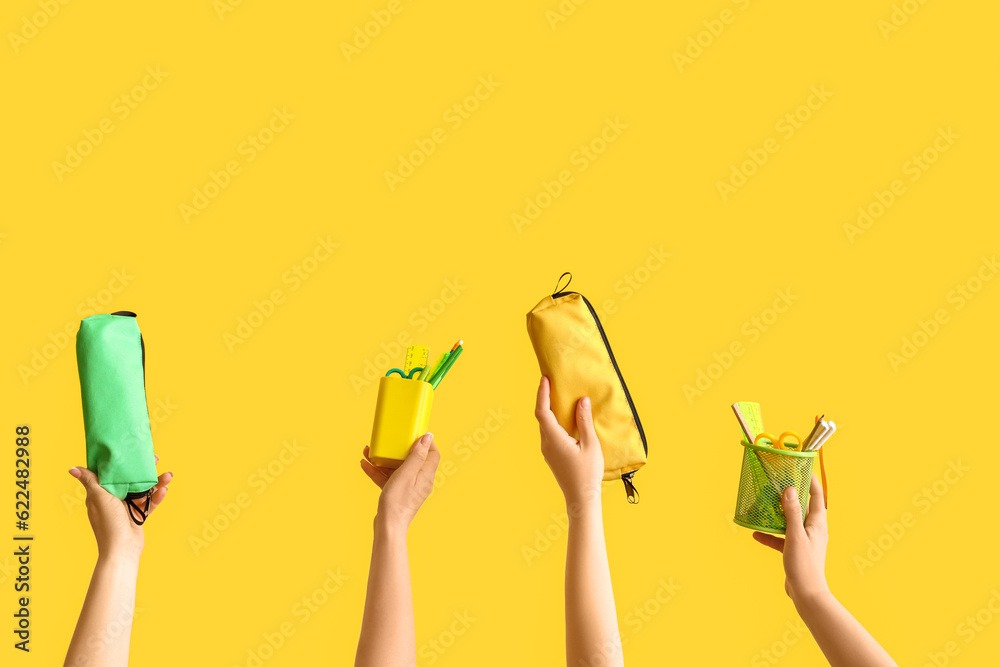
[
  {"x": 75, "y": 472},
  {"x": 585, "y": 402},
  {"x": 791, "y": 493},
  {"x": 428, "y": 437}
]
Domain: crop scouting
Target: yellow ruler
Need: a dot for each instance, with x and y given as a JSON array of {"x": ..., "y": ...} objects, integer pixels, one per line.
[{"x": 416, "y": 357}]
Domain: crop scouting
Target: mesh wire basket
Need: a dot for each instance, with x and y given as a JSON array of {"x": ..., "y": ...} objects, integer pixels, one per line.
[{"x": 766, "y": 473}]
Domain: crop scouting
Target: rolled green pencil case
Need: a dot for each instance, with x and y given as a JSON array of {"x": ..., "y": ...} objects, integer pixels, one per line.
[{"x": 111, "y": 358}]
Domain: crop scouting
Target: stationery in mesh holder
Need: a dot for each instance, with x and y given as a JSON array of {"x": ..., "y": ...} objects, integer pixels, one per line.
[{"x": 767, "y": 471}]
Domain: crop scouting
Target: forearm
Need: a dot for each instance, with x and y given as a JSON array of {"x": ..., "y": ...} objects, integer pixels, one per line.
[
  {"x": 591, "y": 619},
  {"x": 104, "y": 629},
  {"x": 843, "y": 640},
  {"x": 388, "y": 635}
]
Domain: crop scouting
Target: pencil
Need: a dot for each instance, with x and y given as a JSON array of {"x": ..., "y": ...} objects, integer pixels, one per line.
[
  {"x": 743, "y": 424},
  {"x": 429, "y": 373}
]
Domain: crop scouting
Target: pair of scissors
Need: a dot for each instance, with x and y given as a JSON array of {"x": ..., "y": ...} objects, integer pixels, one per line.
[
  {"x": 403, "y": 375},
  {"x": 780, "y": 443}
]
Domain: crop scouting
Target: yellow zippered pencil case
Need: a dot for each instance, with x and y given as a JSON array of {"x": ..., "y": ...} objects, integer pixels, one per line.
[{"x": 573, "y": 351}]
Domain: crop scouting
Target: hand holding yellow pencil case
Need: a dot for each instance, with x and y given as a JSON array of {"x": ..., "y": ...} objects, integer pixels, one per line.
[
  {"x": 403, "y": 407},
  {"x": 574, "y": 353}
]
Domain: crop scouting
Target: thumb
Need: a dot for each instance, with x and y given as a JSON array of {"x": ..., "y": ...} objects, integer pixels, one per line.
[
  {"x": 86, "y": 477},
  {"x": 794, "y": 529},
  {"x": 585, "y": 422}
]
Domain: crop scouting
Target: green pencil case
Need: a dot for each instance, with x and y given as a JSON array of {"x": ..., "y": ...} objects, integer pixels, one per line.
[{"x": 111, "y": 358}]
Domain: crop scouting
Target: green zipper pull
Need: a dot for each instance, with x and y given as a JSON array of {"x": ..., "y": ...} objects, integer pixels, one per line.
[{"x": 630, "y": 490}]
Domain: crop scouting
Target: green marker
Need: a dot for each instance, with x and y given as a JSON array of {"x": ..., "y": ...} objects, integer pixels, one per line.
[
  {"x": 444, "y": 360},
  {"x": 428, "y": 374},
  {"x": 439, "y": 375}
]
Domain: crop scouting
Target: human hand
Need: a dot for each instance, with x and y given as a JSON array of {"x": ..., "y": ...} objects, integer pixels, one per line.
[
  {"x": 804, "y": 546},
  {"x": 578, "y": 465},
  {"x": 117, "y": 535},
  {"x": 406, "y": 488}
]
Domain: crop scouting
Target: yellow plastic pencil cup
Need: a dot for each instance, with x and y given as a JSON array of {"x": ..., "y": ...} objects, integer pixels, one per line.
[{"x": 402, "y": 414}]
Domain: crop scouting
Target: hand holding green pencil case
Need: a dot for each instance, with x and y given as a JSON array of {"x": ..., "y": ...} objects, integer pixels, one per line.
[{"x": 111, "y": 359}]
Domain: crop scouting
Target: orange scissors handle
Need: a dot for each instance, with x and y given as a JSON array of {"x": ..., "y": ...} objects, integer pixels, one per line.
[{"x": 779, "y": 443}]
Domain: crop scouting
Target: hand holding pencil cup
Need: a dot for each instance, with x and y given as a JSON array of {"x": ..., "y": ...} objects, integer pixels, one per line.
[
  {"x": 403, "y": 406},
  {"x": 772, "y": 464}
]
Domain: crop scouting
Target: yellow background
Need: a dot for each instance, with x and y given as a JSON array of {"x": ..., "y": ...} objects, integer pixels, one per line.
[{"x": 656, "y": 185}]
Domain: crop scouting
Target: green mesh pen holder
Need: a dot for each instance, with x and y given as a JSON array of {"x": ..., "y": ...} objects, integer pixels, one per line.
[{"x": 766, "y": 473}]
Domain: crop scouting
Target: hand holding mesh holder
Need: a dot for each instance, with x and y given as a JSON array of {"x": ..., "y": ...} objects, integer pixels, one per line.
[
  {"x": 767, "y": 472},
  {"x": 402, "y": 414}
]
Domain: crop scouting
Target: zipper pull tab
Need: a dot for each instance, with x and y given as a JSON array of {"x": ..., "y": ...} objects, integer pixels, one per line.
[
  {"x": 136, "y": 513},
  {"x": 557, "y": 290},
  {"x": 630, "y": 491}
]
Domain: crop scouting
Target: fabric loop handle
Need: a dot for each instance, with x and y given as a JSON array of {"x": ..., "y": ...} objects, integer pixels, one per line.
[
  {"x": 134, "y": 509},
  {"x": 560, "y": 280}
]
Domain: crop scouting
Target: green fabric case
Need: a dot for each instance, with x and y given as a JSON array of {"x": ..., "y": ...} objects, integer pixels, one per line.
[{"x": 111, "y": 358}]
